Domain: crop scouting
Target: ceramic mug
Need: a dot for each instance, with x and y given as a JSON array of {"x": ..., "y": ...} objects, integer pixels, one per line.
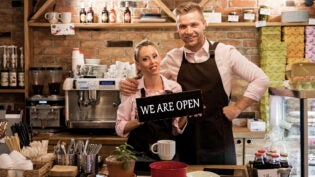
[
  {"x": 52, "y": 17},
  {"x": 65, "y": 17},
  {"x": 165, "y": 149}
]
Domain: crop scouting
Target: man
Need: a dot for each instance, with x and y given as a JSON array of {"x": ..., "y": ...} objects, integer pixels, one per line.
[{"x": 209, "y": 66}]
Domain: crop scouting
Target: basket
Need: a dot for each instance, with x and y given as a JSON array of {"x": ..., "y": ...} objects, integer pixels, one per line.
[{"x": 39, "y": 170}]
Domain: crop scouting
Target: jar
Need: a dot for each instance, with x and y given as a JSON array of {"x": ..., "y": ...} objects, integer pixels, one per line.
[
  {"x": 259, "y": 161},
  {"x": 284, "y": 160},
  {"x": 264, "y": 13},
  {"x": 249, "y": 15},
  {"x": 233, "y": 17}
]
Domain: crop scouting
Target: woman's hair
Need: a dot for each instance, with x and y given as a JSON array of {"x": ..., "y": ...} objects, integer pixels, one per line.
[
  {"x": 187, "y": 7},
  {"x": 141, "y": 44}
]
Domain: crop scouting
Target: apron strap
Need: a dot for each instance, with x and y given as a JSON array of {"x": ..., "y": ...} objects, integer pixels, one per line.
[{"x": 212, "y": 48}]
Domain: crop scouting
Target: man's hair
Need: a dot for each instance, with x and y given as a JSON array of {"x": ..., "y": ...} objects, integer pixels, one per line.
[{"x": 187, "y": 7}]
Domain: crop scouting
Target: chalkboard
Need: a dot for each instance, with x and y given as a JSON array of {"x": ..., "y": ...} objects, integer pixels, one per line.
[{"x": 169, "y": 105}]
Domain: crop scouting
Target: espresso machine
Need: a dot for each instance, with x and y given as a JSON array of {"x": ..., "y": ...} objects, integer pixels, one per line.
[
  {"x": 91, "y": 103},
  {"x": 45, "y": 108}
]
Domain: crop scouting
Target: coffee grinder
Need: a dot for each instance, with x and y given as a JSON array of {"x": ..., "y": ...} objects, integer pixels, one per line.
[{"x": 45, "y": 109}]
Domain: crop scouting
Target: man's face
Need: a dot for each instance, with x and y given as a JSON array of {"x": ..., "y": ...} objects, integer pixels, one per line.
[{"x": 190, "y": 27}]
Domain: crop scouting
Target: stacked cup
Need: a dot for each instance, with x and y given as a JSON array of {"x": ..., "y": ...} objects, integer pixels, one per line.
[{"x": 77, "y": 61}]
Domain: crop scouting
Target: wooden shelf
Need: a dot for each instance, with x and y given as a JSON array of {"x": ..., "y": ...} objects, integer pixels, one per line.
[
  {"x": 163, "y": 25},
  {"x": 12, "y": 91}
]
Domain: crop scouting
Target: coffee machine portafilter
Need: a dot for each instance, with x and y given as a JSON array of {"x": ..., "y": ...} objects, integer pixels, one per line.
[{"x": 91, "y": 102}]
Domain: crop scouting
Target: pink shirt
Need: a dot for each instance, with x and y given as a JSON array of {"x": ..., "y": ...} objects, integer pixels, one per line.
[
  {"x": 230, "y": 62},
  {"x": 127, "y": 107}
]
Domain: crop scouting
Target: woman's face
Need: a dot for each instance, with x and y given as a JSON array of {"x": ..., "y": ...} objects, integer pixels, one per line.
[
  {"x": 190, "y": 28},
  {"x": 149, "y": 61}
]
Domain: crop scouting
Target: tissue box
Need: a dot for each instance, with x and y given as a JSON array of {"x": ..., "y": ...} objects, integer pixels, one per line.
[{"x": 256, "y": 125}]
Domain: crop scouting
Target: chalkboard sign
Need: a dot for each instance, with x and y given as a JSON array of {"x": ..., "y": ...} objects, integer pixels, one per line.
[{"x": 169, "y": 105}]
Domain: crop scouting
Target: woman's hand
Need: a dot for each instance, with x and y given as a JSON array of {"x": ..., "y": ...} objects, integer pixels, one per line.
[
  {"x": 128, "y": 86},
  {"x": 231, "y": 111}
]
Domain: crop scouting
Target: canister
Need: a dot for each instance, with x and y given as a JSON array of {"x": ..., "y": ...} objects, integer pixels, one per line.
[
  {"x": 249, "y": 15},
  {"x": 264, "y": 13}
]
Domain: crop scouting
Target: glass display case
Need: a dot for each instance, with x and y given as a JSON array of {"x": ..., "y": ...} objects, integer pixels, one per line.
[{"x": 294, "y": 112}]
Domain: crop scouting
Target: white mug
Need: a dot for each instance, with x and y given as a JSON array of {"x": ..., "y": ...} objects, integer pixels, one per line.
[
  {"x": 65, "y": 17},
  {"x": 165, "y": 149},
  {"x": 52, "y": 17}
]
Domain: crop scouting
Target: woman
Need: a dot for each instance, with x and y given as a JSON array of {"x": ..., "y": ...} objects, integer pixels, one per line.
[{"x": 142, "y": 134}]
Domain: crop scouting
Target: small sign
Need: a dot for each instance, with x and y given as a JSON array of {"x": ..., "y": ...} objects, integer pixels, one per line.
[
  {"x": 260, "y": 24},
  {"x": 169, "y": 105}
]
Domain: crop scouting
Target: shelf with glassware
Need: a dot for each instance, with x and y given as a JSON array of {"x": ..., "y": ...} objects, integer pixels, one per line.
[{"x": 164, "y": 25}]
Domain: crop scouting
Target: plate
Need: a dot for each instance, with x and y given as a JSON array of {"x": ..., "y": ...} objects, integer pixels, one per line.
[{"x": 202, "y": 174}]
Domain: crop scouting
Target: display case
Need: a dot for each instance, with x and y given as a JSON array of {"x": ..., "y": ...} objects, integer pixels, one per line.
[{"x": 294, "y": 112}]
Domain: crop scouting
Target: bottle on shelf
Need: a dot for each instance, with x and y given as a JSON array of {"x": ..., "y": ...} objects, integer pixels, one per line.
[
  {"x": 5, "y": 70},
  {"x": 275, "y": 161},
  {"x": 82, "y": 13},
  {"x": 13, "y": 68},
  {"x": 284, "y": 160},
  {"x": 90, "y": 14},
  {"x": 127, "y": 13},
  {"x": 21, "y": 70},
  {"x": 259, "y": 161},
  {"x": 112, "y": 13},
  {"x": 105, "y": 14}
]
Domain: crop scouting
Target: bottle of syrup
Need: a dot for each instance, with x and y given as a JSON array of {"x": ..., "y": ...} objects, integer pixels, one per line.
[
  {"x": 82, "y": 13},
  {"x": 90, "y": 14},
  {"x": 105, "y": 14},
  {"x": 112, "y": 14},
  {"x": 127, "y": 13}
]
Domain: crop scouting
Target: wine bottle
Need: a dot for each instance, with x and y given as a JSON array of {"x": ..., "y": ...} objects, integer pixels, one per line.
[
  {"x": 90, "y": 14},
  {"x": 112, "y": 14},
  {"x": 82, "y": 13},
  {"x": 21, "y": 71},
  {"x": 127, "y": 13},
  {"x": 13, "y": 68},
  {"x": 5, "y": 70},
  {"x": 105, "y": 14}
]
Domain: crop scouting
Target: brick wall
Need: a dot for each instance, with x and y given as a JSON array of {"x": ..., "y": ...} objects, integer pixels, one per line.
[{"x": 56, "y": 50}]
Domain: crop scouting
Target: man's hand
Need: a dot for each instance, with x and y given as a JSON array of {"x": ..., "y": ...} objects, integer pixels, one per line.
[
  {"x": 128, "y": 86},
  {"x": 231, "y": 111}
]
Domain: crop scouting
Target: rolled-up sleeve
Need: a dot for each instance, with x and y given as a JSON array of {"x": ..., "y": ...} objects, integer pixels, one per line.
[{"x": 125, "y": 113}]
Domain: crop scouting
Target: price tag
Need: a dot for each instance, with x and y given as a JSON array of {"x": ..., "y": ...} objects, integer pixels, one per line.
[
  {"x": 233, "y": 18},
  {"x": 249, "y": 16},
  {"x": 260, "y": 24},
  {"x": 311, "y": 21},
  {"x": 264, "y": 11}
]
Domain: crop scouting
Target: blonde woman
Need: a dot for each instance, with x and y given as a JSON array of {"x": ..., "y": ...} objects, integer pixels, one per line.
[{"x": 151, "y": 82}]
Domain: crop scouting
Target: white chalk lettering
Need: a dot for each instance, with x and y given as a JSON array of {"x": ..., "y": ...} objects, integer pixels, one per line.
[
  {"x": 164, "y": 107},
  {"x": 147, "y": 109},
  {"x": 187, "y": 104}
]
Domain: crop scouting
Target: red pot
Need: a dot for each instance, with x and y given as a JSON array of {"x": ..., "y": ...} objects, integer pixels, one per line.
[{"x": 167, "y": 168}]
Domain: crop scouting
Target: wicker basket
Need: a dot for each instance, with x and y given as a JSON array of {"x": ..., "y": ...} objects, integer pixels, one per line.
[{"x": 39, "y": 170}]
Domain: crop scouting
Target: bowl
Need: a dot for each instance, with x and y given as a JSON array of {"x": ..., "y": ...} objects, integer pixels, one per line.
[
  {"x": 165, "y": 168},
  {"x": 92, "y": 61}
]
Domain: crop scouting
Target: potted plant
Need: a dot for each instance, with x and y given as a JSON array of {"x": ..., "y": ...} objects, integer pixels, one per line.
[{"x": 121, "y": 162}]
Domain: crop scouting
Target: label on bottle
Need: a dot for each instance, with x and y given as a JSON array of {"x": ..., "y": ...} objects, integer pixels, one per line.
[
  {"x": 127, "y": 18},
  {"x": 21, "y": 76},
  {"x": 82, "y": 18},
  {"x": 4, "y": 79},
  {"x": 89, "y": 17},
  {"x": 104, "y": 17},
  {"x": 13, "y": 79}
]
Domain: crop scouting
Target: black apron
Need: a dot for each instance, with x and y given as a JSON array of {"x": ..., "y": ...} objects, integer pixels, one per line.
[
  {"x": 150, "y": 132},
  {"x": 208, "y": 139}
]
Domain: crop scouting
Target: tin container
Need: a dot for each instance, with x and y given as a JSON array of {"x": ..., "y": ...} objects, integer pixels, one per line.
[{"x": 249, "y": 15}]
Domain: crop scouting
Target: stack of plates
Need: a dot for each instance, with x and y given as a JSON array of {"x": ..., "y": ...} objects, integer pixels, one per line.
[{"x": 202, "y": 174}]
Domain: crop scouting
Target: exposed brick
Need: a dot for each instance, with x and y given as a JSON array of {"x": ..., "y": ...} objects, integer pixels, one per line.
[
  {"x": 242, "y": 3},
  {"x": 241, "y": 35},
  {"x": 92, "y": 44}
]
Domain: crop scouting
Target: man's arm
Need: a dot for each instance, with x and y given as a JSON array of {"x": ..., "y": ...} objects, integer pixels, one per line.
[
  {"x": 232, "y": 111},
  {"x": 128, "y": 86}
]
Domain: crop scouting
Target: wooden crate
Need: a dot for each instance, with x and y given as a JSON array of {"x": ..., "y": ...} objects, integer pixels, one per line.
[{"x": 39, "y": 170}]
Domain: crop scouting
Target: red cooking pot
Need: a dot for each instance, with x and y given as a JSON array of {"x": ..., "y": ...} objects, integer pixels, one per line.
[{"x": 167, "y": 168}]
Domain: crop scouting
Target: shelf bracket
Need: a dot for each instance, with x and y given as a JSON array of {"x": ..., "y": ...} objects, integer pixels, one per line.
[
  {"x": 165, "y": 8},
  {"x": 42, "y": 9}
]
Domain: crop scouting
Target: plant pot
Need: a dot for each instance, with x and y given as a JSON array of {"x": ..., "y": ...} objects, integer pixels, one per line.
[{"x": 115, "y": 168}]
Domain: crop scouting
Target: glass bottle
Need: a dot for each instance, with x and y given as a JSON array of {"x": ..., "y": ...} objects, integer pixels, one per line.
[
  {"x": 263, "y": 152},
  {"x": 105, "y": 14},
  {"x": 259, "y": 161},
  {"x": 5, "y": 70},
  {"x": 127, "y": 13},
  {"x": 90, "y": 14},
  {"x": 275, "y": 161},
  {"x": 82, "y": 13},
  {"x": 112, "y": 13},
  {"x": 13, "y": 68},
  {"x": 284, "y": 160},
  {"x": 21, "y": 71}
]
